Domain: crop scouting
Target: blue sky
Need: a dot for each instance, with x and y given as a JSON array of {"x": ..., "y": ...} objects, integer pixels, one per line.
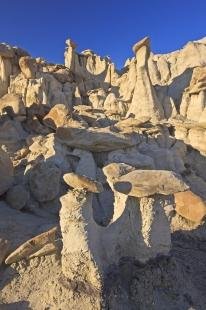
[{"x": 107, "y": 27}]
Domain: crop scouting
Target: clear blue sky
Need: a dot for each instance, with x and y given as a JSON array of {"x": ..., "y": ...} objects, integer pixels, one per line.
[{"x": 107, "y": 27}]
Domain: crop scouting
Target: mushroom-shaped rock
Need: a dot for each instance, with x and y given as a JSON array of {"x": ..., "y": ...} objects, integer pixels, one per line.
[
  {"x": 144, "y": 42},
  {"x": 80, "y": 181},
  {"x": 57, "y": 116},
  {"x": 32, "y": 246},
  {"x": 143, "y": 183},
  {"x": 28, "y": 67},
  {"x": 6, "y": 172},
  {"x": 190, "y": 206}
]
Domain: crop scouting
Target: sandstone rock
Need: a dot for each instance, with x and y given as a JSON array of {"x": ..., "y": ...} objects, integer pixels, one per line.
[
  {"x": 77, "y": 228},
  {"x": 4, "y": 249},
  {"x": 155, "y": 226},
  {"x": 50, "y": 149},
  {"x": 79, "y": 181},
  {"x": 57, "y": 117},
  {"x": 114, "y": 171},
  {"x": 131, "y": 157},
  {"x": 97, "y": 98},
  {"x": 108, "y": 123},
  {"x": 190, "y": 206},
  {"x": 6, "y": 51},
  {"x": 164, "y": 157},
  {"x": 144, "y": 102},
  {"x": 5, "y": 72},
  {"x": 44, "y": 181},
  {"x": 143, "y": 183},
  {"x": 6, "y": 172},
  {"x": 92, "y": 71},
  {"x": 130, "y": 124},
  {"x": 12, "y": 134},
  {"x": 86, "y": 165},
  {"x": 196, "y": 138},
  {"x": 144, "y": 42},
  {"x": 93, "y": 139},
  {"x": 198, "y": 80},
  {"x": 31, "y": 246},
  {"x": 112, "y": 104},
  {"x": 13, "y": 106},
  {"x": 28, "y": 67},
  {"x": 47, "y": 249},
  {"x": 17, "y": 197},
  {"x": 150, "y": 228}
]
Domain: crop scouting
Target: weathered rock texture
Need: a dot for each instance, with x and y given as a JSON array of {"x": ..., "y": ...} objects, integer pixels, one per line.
[{"x": 115, "y": 159}]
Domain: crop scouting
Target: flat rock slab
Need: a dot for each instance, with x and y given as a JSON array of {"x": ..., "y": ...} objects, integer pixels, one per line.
[
  {"x": 143, "y": 183},
  {"x": 31, "y": 246},
  {"x": 94, "y": 139},
  {"x": 190, "y": 206},
  {"x": 81, "y": 181}
]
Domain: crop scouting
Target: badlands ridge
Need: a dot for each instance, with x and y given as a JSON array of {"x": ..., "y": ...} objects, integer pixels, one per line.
[{"x": 103, "y": 180}]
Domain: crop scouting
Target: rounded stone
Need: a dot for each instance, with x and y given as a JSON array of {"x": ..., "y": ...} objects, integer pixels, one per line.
[
  {"x": 17, "y": 197},
  {"x": 44, "y": 181}
]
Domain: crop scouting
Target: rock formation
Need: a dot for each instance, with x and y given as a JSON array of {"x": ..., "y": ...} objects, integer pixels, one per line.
[{"x": 102, "y": 178}]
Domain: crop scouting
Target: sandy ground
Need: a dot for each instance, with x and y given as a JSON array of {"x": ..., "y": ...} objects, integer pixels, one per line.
[{"x": 177, "y": 282}]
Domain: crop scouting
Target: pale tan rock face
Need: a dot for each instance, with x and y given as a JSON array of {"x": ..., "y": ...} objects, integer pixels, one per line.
[
  {"x": 80, "y": 181},
  {"x": 193, "y": 101},
  {"x": 75, "y": 222},
  {"x": 91, "y": 70},
  {"x": 6, "y": 172},
  {"x": 44, "y": 181},
  {"x": 57, "y": 117},
  {"x": 97, "y": 98},
  {"x": 144, "y": 102},
  {"x": 190, "y": 206},
  {"x": 117, "y": 158},
  {"x": 13, "y": 105},
  {"x": 28, "y": 67}
]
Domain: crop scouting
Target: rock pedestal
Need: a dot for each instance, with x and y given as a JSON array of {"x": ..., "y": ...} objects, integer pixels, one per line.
[{"x": 144, "y": 102}]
